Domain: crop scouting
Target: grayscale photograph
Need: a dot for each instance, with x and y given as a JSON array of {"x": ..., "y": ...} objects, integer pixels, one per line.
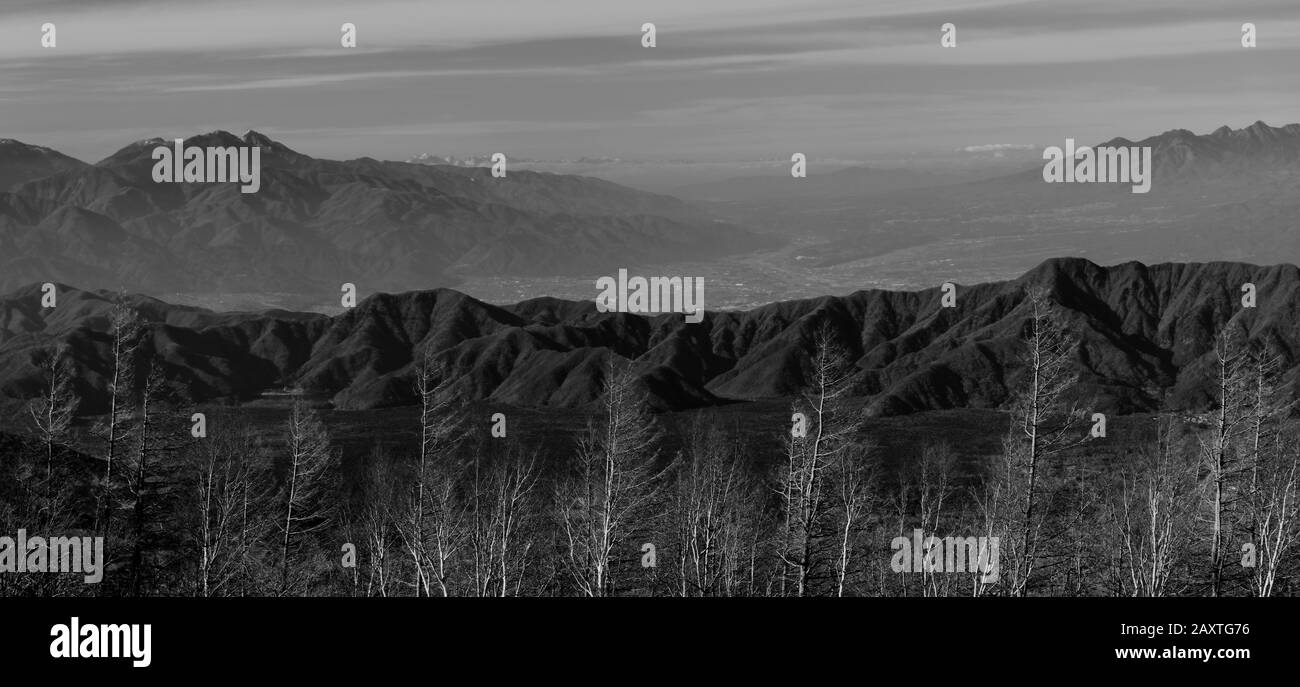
[{"x": 505, "y": 298}]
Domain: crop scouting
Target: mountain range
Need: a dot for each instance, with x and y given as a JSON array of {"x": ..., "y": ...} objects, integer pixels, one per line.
[
  {"x": 1230, "y": 194},
  {"x": 1145, "y": 333},
  {"x": 316, "y": 224},
  {"x": 1255, "y": 148},
  {"x": 393, "y": 226},
  {"x": 1179, "y": 155}
]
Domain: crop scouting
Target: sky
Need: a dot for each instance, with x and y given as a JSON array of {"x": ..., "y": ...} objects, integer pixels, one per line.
[{"x": 727, "y": 80}]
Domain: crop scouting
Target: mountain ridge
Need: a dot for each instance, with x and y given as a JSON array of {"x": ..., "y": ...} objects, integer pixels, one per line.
[
  {"x": 317, "y": 223},
  {"x": 1145, "y": 333}
]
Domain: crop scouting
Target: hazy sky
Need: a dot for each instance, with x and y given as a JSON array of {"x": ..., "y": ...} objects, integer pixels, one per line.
[{"x": 729, "y": 79}]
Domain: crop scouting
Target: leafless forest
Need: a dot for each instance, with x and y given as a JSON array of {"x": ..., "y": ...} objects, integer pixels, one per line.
[{"x": 1207, "y": 507}]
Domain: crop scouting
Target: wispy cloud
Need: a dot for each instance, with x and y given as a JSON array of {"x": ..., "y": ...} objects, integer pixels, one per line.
[
  {"x": 993, "y": 147},
  {"x": 740, "y": 78}
]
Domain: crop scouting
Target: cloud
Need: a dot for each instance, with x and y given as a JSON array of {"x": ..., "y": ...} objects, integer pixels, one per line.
[
  {"x": 566, "y": 78},
  {"x": 992, "y": 147}
]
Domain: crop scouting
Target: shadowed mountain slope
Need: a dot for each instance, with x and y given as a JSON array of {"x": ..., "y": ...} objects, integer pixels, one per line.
[{"x": 1146, "y": 336}]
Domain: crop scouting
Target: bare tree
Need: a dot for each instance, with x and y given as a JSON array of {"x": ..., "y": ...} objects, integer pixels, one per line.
[
  {"x": 708, "y": 511},
  {"x": 935, "y": 477},
  {"x": 802, "y": 483},
  {"x": 1271, "y": 473},
  {"x": 1042, "y": 427},
  {"x": 788, "y": 492},
  {"x": 853, "y": 479},
  {"x": 1276, "y": 515},
  {"x": 1149, "y": 517},
  {"x": 52, "y": 414},
  {"x": 1217, "y": 444},
  {"x": 226, "y": 507},
  {"x": 309, "y": 473},
  {"x": 379, "y": 519},
  {"x": 155, "y": 437},
  {"x": 505, "y": 505},
  {"x": 611, "y": 481},
  {"x": 433, "y": 527},
  {"x": 124, "y": 342}
]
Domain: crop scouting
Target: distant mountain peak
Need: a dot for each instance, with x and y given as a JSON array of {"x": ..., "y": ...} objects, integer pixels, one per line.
[
  {"x": 12, "y": 148},
  {"x": 220, "y": 137},
  {"x": 1262, "y": 130},
  {"x": 1258, "y": 128},
  {"x": 257, "y": 138},
  {"x": 21, "y": 162},
  {"x": 1257, "y": 147},
  {"x": 214, "y": 137},
  {"x": 113, "y": 224}
]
